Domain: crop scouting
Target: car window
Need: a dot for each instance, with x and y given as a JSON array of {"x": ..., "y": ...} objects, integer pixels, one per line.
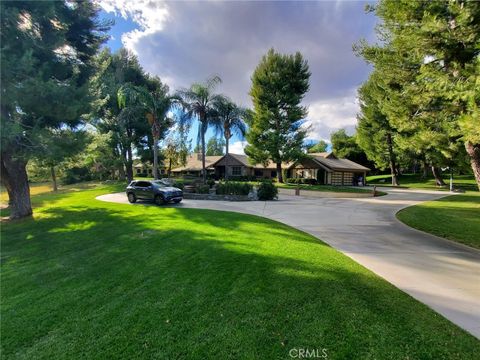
[{"x": 142, "y": 184}]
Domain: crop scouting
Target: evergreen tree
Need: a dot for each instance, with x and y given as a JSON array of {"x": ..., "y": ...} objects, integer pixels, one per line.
[
  {"x": 317, "y": 147},
  {"x": 215, "y": 147},
  {"x": 279, "y": 84},
  {"x": 436, "y": 42},
  {"x": 46, "y": 56}
]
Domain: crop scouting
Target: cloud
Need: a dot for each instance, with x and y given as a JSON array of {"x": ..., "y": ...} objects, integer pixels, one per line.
[
  {"x": 237, "y": 147},
  {"x": 326, "y": 116},
  {"x": 184, "y": 42}
]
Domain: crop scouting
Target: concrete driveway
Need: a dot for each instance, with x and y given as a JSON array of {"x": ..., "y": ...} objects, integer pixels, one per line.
[{"x": 440, "y": 273}]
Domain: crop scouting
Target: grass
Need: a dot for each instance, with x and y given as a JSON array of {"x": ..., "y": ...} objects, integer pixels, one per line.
[
  {"x": 414, "y": 181},
  {"x": 455, "y": 217},
  {"x": 89, "y": 279}
]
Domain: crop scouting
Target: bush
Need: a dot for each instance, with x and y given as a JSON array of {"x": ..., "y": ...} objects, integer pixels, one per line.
[
  {"x": 211, "y": 182},
  {"x": 233, "y": 188},
  {"x": 267, "y": 190},
  {"x": 243, "y": 178},
  {"x": 76, "y": 175},
  {"x": 202, "y": 189},
  {"x": 179, "y": 185}
]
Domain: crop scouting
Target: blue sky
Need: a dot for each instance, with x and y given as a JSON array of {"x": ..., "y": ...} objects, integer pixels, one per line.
[{"x": 185, "y": 42}]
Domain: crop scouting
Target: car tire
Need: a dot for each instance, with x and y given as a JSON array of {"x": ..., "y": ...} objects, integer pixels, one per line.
[
  {"x": 177, "y": 201},
  {"x": 159, "y": 200},
  {"x": 131, "y": 198}
]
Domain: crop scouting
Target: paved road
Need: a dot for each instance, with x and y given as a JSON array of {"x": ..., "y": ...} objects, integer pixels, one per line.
[{"x": 440, "y": 273}]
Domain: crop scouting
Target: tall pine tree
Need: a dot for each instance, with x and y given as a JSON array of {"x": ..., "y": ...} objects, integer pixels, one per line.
[
  {"x": 46, "y": 55},
  {"x": 279, "y": 84}
]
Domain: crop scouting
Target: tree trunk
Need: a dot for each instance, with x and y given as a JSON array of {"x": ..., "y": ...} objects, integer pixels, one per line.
[
  {"x": 425, "y": 169},
  {"x": 54, "y": 178},
  {"x": 169, "y": 170},
  {"x": 129, "y": 163},
  {"x": 473, "y": 152},
  {"x": 279, "y": 172},
  {"x": 437, "y": 174},
  {"x": 155, "y": 158},
  {"x": 227, "y": 139},
  {"x": 204, "y": 170},
  {"x": 121, "y": 173},
  {"x": 15, "y": 179},
  {"x": 393, "y": 166}
]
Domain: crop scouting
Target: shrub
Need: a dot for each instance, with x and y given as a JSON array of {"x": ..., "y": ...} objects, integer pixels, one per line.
[
  {"x": 202, "y": 189},
  {"x": 267, "y": 190},
  {"x": 179, "y": 185},
  {"x": 76, "y": 174},
  {"x": 233, "y": 188},
  {"x": 211, "y": 182}
]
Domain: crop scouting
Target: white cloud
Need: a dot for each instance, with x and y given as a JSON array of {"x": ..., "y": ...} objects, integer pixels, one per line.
[
  {"x": 326, "y": 116},
  {"x": 237, "y": 147},
  {"x": 150, "y": 15}
]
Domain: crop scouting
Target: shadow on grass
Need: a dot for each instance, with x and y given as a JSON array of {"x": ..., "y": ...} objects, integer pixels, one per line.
[{"x": 148, "y": 282}]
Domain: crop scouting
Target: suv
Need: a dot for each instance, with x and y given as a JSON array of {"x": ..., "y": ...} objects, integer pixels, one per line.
[{"x": 157, "y": 191}]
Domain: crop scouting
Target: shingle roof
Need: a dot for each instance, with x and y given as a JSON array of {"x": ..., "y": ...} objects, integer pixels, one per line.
[
  {"x": 244, "y": 160},
  {"x": 194, "y": 163},
  {"x": 331, "y": 161}
]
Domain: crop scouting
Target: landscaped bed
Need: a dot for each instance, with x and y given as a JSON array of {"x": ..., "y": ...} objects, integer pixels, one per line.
[
  {"x": 91, "y": 279},
  {"x": 455, "y": 217}
]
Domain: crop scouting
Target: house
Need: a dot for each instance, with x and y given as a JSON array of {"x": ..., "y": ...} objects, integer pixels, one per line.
[
  {"x": 239, "y": 166},
  {"x": 326, "y": 168},
  {"x": 146, "y": 170},
  {"x": 193, "y": 166}
]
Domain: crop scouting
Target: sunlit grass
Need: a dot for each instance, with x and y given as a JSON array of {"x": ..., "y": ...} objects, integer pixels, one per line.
[
  {"x": 90, "y": 279},
  {"x": 455, "y": 217},
  {"x": 466, "y": 182}
]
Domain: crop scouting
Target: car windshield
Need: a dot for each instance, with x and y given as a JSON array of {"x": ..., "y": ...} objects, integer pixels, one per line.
[{"x": 159, "y": 183}]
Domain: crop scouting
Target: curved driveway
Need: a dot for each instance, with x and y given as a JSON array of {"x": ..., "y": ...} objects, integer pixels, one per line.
[{"x": 440, "y": 273}]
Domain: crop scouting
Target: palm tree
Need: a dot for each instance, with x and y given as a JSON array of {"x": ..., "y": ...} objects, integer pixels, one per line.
[
  {"x": 156, "y": 106},
  {"x": 230, "y": 121},
  {"x": 199, "y": 102}
]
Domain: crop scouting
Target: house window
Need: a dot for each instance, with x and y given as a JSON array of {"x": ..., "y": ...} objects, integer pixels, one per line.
[
  {"x": 273, "y": 174},
  {"x": 258, "y": 173},
  {"x": 236, "y": 170}
]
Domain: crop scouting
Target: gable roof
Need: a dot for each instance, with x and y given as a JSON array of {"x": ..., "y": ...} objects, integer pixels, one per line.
[
  {"x": 194, "y": 163},
  {"x": 330, "y": 161}
]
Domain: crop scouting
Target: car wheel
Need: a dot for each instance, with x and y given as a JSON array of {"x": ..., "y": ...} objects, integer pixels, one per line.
[
  {"x": 177, "y": 201},
  {"x": 159, "y": 200},
  {"x": 131, "y": 198}
]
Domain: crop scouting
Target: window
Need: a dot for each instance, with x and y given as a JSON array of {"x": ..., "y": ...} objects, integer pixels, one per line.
[
  {"x": 236, "y": 170},
  {"x": 142, "y": 184},
  {"x": 273, "y": 174},
  {"x": 258, "y": 173}
]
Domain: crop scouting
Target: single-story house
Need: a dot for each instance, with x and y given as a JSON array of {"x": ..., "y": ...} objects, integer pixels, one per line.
[
  {"x": 329, "y": 170},
  {"x": 239, "y": 165},
  {"x": 193, "y": 166},
  {"x": 326, "y": 168},
  {"x": 146, "y": 170}
]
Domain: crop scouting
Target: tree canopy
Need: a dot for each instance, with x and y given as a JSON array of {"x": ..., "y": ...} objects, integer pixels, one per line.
[{"x": 275, "y": 133}]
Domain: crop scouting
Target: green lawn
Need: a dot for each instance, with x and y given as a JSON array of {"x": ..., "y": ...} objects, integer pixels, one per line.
[
  {"x": 455, "y": 217},
  {"x": 89, "y": 279},
  {"x": 465, "y": 182}
]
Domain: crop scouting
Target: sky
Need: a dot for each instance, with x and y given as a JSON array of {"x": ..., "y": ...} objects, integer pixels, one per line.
[{"x": 188, "y": 41}]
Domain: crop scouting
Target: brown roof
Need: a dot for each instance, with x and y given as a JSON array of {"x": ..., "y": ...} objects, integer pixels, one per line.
[
  {"x": 194, "y": 163},
  {"x": 243, "y": 159},
  {"x": 331, "y": 161}
]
